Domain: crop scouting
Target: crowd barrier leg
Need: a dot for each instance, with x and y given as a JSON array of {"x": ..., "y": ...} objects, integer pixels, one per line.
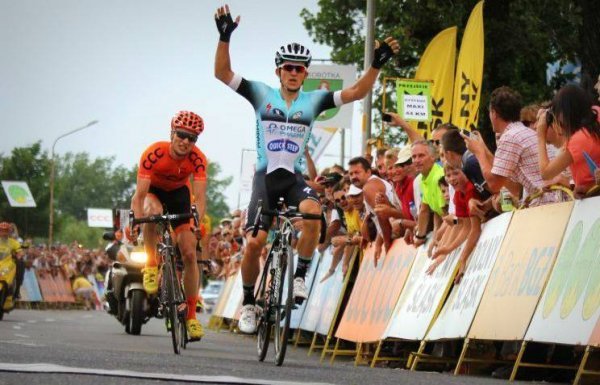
[
  {"x": 519, "y": 363},
  {"x": 340, "y": 352},
  {"x": 326, "y": 349},
  {"x": 581, "y": 371},
  {"x": 313, "y": 344},
  {"x": 377, "y": 357},
  {"x": 299, "y": 341},
  {"x": 462, "y": 356},
  {"x": 419, "y": 356}
]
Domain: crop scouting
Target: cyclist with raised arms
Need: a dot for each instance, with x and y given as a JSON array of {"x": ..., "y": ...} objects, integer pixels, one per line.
[
  {"x": 164, "y": 181},
  {"x": 285, "y": 116}
]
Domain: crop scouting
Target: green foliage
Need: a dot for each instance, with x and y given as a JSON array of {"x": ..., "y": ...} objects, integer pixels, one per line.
[
  {"x": 215, "y": 200},
  {"x": 521, "y": 38},
  {"x": 69, "y": 229}
]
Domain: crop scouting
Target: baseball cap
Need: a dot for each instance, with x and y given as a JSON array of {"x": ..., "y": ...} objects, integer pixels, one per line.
[
  {"x": 353, "y": 191},
  {"x": 404, "y": 155}
]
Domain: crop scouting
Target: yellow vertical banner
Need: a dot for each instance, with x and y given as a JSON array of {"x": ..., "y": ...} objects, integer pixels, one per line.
[
  {"x": 469, "y": 72},
  {"x": 437, "y": 65}
]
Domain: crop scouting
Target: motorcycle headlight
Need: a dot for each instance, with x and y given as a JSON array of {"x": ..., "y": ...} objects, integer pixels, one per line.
[{"x": 138, "y": 256}]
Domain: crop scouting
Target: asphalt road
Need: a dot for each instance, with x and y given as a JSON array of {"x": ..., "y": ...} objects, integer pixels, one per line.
[{"x": 90, "y": 347}]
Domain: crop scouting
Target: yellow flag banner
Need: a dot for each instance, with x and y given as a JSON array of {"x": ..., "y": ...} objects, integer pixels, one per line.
[
  {"x": 469, "y": 72},
  {"x": 437, "y": 65}
]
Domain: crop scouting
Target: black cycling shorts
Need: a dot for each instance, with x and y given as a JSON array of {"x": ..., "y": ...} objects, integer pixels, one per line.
[
  {"x": 270, "y": 187},
  {"x": 176, "y": 201}
]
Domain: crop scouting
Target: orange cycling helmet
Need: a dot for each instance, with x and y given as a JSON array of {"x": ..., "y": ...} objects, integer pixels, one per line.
[
  {"x": 5, "y": 227},
  {"x": 187, "y": 121}
]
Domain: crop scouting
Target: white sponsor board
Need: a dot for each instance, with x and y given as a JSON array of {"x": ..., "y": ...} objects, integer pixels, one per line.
[
  {"x": 18, "y": 194},
  {"x": 310, "y": 282},
  {"x": 318, "y": 141},
  {"x": 235, "y": 298},
  {"x": 329, "y": 304},
  {"x": 421, "y": 297},
  {"x": 459, "y": 310},
  {"x": 570, "y": 305},
  {"x": 312, "y": 312},
  {"x": 100, "y": 218}
]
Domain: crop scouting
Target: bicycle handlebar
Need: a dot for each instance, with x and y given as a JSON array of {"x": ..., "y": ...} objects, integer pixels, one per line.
[
  {"x": 289, "y": 213},
  {"x": 164, "y": 218}
]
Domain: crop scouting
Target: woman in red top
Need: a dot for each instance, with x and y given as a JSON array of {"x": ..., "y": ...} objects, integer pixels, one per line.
[{"x": 573, "y": 117}]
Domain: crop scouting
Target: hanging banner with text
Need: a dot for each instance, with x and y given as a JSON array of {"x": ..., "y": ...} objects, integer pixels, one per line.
[
  {"x": 414, "y": 100},
  {"x": 570, "y": 305},
  {"x": 100, "y": 218},
  {"x": 523, "y": 265},
  {"x": 332, "y": 77},
  {"x": 455, "y": 318},
  {"x": 18, "y": 194},
  {"x": 375, "y": 293}
]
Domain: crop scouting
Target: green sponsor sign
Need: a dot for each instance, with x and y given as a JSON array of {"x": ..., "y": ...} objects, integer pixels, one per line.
[
  {"x": 328, "y": 85},
  {"x": 18, "y": 194}
]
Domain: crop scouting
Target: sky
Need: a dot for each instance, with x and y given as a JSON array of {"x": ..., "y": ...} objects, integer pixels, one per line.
[{"x": 131, "y": 65}]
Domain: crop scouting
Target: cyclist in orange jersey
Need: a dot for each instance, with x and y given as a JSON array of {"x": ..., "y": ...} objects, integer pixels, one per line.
[{"x": 163, "y": 183}]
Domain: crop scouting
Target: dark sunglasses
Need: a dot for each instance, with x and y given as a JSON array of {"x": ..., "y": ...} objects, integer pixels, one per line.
[
  {"x": 291, "y": 67},
  {"x": 342, "y": 198},
  {"x": 435, "y": 142},
  {"x": 184, "y": 135}
]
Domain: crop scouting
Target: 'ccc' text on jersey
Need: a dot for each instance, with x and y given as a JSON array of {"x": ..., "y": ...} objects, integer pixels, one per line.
[{"x": 282, "y": 132}]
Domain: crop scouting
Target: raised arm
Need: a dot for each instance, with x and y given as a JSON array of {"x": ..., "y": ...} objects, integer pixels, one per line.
[
  {"x": 225, "y": 25},
  {"x": 383, "y": 52}
]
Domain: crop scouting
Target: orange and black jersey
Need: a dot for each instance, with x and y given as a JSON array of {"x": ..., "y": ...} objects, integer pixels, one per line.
[{"x": 167, "y": 173}]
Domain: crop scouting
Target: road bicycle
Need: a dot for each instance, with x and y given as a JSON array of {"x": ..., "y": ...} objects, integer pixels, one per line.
[
  {"x": 172, "y": 304},
  {"x": 274, "y": 307}
]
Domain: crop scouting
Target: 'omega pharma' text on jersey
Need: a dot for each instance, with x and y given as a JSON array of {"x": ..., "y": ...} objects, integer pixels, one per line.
[{"x": 282, "y": 133}]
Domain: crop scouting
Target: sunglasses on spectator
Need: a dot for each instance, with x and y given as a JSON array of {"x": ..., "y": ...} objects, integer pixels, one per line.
[
  {"x": 435, "y": 142},
  {"x": 184, "y": 135},
  {"x": 292, "y": 67},
  {"x": 342, "y": 198}
]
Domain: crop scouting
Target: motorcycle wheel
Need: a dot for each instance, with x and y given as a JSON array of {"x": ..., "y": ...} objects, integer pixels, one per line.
[{"x": 136, "y": 313}]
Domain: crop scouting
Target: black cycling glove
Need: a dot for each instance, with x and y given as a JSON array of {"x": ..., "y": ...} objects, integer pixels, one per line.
[
  {"x": 382, "y": 54},
  {"x": 225, "y": 25}
]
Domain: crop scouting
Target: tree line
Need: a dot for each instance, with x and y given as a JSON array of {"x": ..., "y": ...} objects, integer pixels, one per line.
[{"x": 80, "y": 182}]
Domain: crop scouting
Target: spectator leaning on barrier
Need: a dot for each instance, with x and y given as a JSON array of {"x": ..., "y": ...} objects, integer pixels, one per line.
[
  {"x": 471, "y": 231},
  {"x": 456, "y": 154},
  {"x": 515, "y": 163},
  {"x": 573, "y": 117},
  {"x": 403, "y": 178},
  {"x": 376, "y": 192},
  {"x": 424, "y": 161}
]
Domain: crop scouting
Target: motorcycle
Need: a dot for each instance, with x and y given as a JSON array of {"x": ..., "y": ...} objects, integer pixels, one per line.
[
  {"x": 125, "y": 295},
  {"x": 8, "y": 272}
]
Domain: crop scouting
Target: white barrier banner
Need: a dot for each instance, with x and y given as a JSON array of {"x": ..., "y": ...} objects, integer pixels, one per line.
[
  {"x": 310, "y": 282},
  {"x": 100, "y": 218},
  {"x": 570, "y": 305},
  {"x": 421, "y": 298},
  {"x": 312, "y": 312},
  {"x": 459, "y": 310},
  {"x": 235, "y": 298},
  {"x": 18, "y": 194},
  {"x": 329, "y": 305}
]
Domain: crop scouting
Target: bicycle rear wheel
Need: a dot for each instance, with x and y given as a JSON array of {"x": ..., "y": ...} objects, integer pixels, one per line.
[
  {"x": 172, "y": 315},
  {"x": 283, "y": 272},
  {"x": 263, "y": 301}
]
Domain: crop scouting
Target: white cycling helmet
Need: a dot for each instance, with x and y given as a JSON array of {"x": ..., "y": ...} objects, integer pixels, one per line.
[{"x": 293, "y": 52}]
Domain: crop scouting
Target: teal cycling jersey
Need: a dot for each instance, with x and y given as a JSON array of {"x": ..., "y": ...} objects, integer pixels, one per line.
[{"x": 282, "y": 132}]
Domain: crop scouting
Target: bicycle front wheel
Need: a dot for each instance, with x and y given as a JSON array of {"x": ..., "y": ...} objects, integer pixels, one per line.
[
  {"x": 284, "y": 272},
  {"x": 172, "y": 315},
  {"x": 263, "y": 303}
]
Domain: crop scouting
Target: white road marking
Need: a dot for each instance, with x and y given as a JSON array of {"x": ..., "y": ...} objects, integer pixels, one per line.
[
  {"x": 31, "y": 321},
  {"x": 50, "y": 320},
  {"x": 21, "y": 342},
  {"x": 21, "y": 335},
  {"x": 51, "y": 368},
  {"x": 17, "y": 327}
]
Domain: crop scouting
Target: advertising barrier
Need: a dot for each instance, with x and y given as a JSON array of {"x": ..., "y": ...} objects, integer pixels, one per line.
[
  {"x": 376, "y": 290},
  {"x": 234, "y": 302},
  {"x": 224, "y": 298},
  {"x": 457, "y": 314},
  {"x": 30, "y": 290},
  {"x": 310, "y": 282},
  {"x": 569, "y": 308},
  {"x": 318, "y": 295},
  {"x": 329, "y": 306},
  {"x": 524, "y": 262}
]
